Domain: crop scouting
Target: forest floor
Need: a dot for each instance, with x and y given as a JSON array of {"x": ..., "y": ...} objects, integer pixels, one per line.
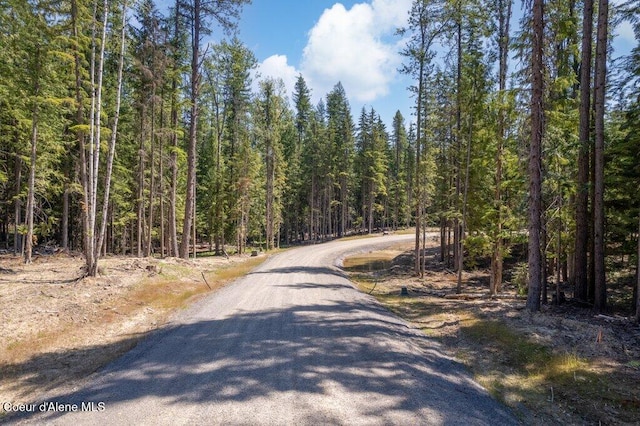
[
  {"x": 563, "y": 365},
  {"x": 58, "y": 326}
]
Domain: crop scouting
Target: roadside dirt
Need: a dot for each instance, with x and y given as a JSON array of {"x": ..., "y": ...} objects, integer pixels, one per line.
[
  {"x": 58, "y": 326},
  {"x": 597, "y": 379}
]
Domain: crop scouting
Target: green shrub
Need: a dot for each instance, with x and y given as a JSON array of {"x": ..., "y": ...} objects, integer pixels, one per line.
[{"x": 520, "y": 278}]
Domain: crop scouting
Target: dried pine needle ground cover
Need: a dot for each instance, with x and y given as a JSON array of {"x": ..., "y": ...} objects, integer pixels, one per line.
[
  {"x": 57, "y": 327},
  {"x": 561, "y": 366}
]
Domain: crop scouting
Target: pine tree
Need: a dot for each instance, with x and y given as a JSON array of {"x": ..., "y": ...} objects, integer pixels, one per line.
[
  {"x": 503, "y": 9},
  {"x": 270, "y": 118},
  {"x": 199, "y": 12},
  {"x": 241, "y": 159},
  {"x": 535, "y": 162},
  {"x": 425, "y": 24},
  {"x": 341, "y": 140},
  {"x": 398, "y": 193},
  {"x": 600, "y": 295}
]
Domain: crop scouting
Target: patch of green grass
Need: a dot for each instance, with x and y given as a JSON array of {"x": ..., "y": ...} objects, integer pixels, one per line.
[{"x": 521, "y": 353}]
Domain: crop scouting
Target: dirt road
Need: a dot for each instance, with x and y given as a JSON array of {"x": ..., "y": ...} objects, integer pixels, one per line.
[{"x": 291, "y": 343}]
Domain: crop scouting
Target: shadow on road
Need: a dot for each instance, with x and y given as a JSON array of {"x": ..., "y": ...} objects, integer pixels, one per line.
[
  {"x": 313, "y": 270},
  {"x": 303, "y": 350}
]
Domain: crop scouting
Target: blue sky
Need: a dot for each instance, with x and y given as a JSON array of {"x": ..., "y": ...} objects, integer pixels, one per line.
[
  {"x": 348, "y": 41},
  {"x": 351, "y": 42}
]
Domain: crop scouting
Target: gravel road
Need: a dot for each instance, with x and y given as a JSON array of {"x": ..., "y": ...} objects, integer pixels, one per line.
[{"x": 292, "y": 343}]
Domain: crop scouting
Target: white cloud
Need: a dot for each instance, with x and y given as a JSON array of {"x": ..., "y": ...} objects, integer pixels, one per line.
[
  {"x": 625, "y": 31},
  {"x": 391, "y": 14},
  {"x": 277, "y": 66},
  {"x": 351, "y": 46}
]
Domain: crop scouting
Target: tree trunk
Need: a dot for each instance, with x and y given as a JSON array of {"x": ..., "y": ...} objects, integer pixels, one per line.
[
  {"x": 504, "y": 17},
  {"x": 65, "y": 219},
  {"x": 545, "y": 267},
  {"x": 195, "y": 241},
  {"x": 173, "y": 190},
  {"x": 418, "y": 187},
  {"x": 193, "y": 130},
  {"x": 91, "y": 180},
  {"x": 152, "y": 177},
  {"x": 173, "y": 158},
  {"x": 558, "y": 251},
  {"x": 600, "y": 295},
  {"x": 269, "y": 198},
  {"x": 161, "y": 180},
  {"x": 17, "y": 207},
  {"x": 96, "y": 144},
  {"x": 112, "y": 149},
  {"x": 582, "y": 219},
  {"x": 535, "y": 163},
  {"x": 457, "y": 243},
  {"x": 638, "y": 277},
  {"x": 32, "y": 177},
  {"x": 463, "y": 223},
  {"x": 141, "y": 169}
]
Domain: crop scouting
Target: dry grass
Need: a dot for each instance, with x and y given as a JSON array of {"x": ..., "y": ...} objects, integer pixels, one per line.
[
  {"x": 223, "y": 275},
  {"x": 543, "y": 384},
  {"x": 88, "y": 324},
  {"x": 370, "y": 261}
]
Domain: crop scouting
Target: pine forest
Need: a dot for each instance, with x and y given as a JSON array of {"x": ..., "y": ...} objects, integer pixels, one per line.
[{"x": 126, "y": 129}]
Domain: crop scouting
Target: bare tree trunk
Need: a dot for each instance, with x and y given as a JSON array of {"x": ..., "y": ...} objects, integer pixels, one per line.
[
  {"x": 152, "y": 177},
  {"x": 195, "y": 248},
  {"x": 80, "y": 120},
  {"x": 112, "y": 148},
  {"x": 600, "y": 300},
  {"x": 582, "y": 219},
  {"x": 344, "y": 206},
  {"x": 90, "y": 180},
  {"x": 535, "y": 163},
  {"x": 96, "y": 144},
  {"x": 64, "y": 225},
  {"x": 193, "y": 130},
  {"x": 141, "y": 169},
  {"x": 17, "y": 207},
  {"x": 418, "y": 188},
  {"x": 463, "y": 224},
  {"x": 161, "y": 183},
  {"x": 638, "y": 277},
  {"x": 173, "y": 158},
  {"x": 270, "y": 197},
  {"x": 504, "y": 17},
  {"x": 457, "y": 237},
  {"x": 559, "y": 250},
  {"x": 312, "y": 207},
  {"x": 87, "y": 161},
  {"x": 32, "y": 175},
  {"x": 544, "y": 266}
]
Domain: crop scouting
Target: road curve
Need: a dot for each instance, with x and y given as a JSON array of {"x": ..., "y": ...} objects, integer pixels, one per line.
[{"x": 292, "y": 343}]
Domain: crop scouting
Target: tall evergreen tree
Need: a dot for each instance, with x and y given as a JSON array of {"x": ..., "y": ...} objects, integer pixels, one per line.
[
  {"x": 535, "y": 161},
  {"x": 341, "y": 141},
  {"x": 600, "y": 294},
  {"x": 271, "y": 117},
  {"x": 426, "y": 22},
  {"x": 399, "y": 181},
  {"x": 198, "y": 13}
]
